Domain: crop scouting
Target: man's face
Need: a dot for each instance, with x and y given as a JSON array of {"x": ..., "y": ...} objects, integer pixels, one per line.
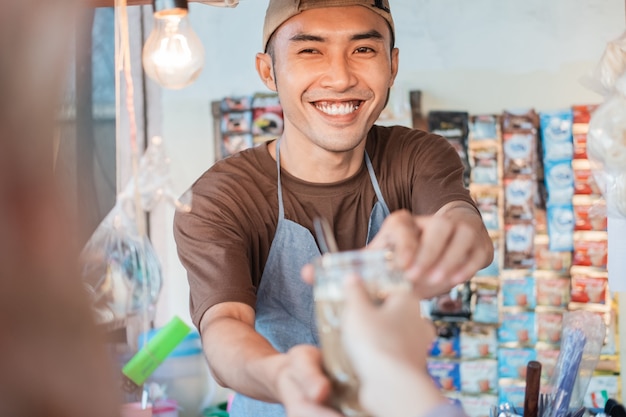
[{"x": 332, "y": 69}]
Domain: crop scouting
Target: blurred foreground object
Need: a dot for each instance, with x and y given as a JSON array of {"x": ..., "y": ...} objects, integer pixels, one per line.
[
  {"x": 606, "y": 149},
  {"x": 53, "y": 359}
]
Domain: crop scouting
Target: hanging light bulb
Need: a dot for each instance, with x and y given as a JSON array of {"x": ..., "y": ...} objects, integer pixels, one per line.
[{"x": 173, "y": 55}]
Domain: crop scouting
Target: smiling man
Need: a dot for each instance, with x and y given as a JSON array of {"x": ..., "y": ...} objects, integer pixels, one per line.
[{"x": 248, "y": 236}]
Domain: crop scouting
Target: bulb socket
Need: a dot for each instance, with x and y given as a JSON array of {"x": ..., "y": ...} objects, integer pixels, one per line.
[{"x": 165, "y": 5}]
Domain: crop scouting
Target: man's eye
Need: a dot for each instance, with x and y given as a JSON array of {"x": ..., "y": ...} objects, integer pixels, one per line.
[
  {"x": 308, "y": 51},
  {"x": 364, "y": 50}
]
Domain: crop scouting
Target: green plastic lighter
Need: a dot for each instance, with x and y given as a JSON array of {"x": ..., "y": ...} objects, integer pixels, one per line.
[{"x": 154, "y": 352}]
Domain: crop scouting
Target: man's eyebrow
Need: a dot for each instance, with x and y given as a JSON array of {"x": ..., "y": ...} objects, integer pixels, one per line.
[
  {"x": 372, "y": 34},
  {"x": 305, "y": 37}
]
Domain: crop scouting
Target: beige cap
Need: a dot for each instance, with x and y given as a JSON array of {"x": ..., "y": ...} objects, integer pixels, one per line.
[{"x": 279, "y": 11}]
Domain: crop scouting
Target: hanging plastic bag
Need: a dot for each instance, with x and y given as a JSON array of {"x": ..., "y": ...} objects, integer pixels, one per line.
[
  {"x": 120, "y": 268},
  {"x": 116, "y": 262},
  {"x": 606, "y": 150}
]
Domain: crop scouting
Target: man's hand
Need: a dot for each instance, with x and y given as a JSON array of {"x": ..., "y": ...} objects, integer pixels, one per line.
[
  {"x": 247, "y": 363},
  {"x": 302, "y": 385},
  {"x": 440, "y": 251}
]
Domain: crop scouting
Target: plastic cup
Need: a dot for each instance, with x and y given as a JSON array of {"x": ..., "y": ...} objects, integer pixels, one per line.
[{"x": 377, "y": 270}]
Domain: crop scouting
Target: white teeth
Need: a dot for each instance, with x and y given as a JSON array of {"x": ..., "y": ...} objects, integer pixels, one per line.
[{"x": 336, "y": 109}]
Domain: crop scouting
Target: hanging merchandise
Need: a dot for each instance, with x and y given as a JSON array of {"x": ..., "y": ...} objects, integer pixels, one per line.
[
  {"x": 120, "y": 268},
  {"x": 606, "y": 149},
  {"x": 247, "y": 121}
]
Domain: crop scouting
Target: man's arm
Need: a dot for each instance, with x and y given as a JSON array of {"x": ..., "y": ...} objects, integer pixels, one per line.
[
  {"x": 243, "y": 360},
  {"x": 440, "y": 251}
]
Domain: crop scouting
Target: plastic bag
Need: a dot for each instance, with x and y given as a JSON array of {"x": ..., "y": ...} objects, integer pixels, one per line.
[
  {"x": 116, "y": 262},
  {"x": 120, "y": 268}
]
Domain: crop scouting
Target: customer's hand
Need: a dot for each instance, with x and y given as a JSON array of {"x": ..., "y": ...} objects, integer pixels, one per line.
[{"x": 388, "y": 345}]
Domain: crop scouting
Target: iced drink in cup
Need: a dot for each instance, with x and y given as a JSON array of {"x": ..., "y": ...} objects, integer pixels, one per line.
[{"x": 376, "y": 269}]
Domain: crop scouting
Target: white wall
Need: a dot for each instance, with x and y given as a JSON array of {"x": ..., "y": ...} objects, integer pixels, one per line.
[{"x": 481, "y": 56}]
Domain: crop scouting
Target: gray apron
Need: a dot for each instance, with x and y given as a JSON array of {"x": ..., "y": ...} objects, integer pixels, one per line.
[{"x": 285, "y": 314}]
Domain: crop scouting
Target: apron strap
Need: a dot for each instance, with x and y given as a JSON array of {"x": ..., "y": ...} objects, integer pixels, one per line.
[
  {"x": 281, "y": 209},
  {"x": 379, "y": 194}
]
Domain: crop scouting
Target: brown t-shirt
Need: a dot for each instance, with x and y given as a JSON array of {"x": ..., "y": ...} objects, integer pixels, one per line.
[{"x": 224, "y": 241}]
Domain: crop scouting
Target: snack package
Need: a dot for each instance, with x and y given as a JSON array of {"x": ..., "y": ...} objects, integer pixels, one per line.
[
  {"x": 512, "y": 362},
  {"x": 488, "y": 200},
  {"x": 447, "y": 343},
  {"x": 483, "y": 127},
  {"x": 519, "y": 198},
  {"x": 445, "y": 373},
  {"x": 559, "y": 180},
  {"x": 549, "y": 325},
  {"x": 561, "y": 227},
  {"x": 485, "y": 304},
  {"x": 518, "y": 328},
  {"x": 478, "y": 341},
  {"x": 556, "y": 135},
  {"x": 519, "y": 153},
  {"x": 519, "y": 246},
  {"x": 518, "y": 292},
  {"x": 552, "y": 290},
  {"x": 479, "y": 376}
]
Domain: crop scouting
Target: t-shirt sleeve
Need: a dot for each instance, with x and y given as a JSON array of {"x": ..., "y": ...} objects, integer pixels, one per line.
[
  {"x": 212, "y": 246},
  {"x": 436, "y": 171}
]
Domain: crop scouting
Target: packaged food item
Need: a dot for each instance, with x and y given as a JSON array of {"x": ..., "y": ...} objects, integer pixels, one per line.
[
  {"x": 590, "y": 249},
  {"x": 545, "y": 259},
  {"x": 559, "y": 180},
  {"x": 514, "y": 120},
  {"x": 479, "y": 376},
  {"x": 589, "y": 213},
  {"x": 518, "y": 328},
  {"x": 478, "y": 405},
  {"x": 600, "y": 389},
  {"x": 561, "y": 227},
  {"x": 518, "y": 291},
  {"x": 553, "y": 290},
  {"x": 519, "y": 153},
  {"x": 483, "y": 127},
  {"x": 478, "y": 341},
  {"x": 584, "y": 181},
  {"x": 512, "y": 392},
  {"x": 484, "y": 169},
  {"x": 445, "y": 373},
  {"x": 549, "y": 325},
  {"x": 453, "y": 306},
  {"x": 589, "y": 286},
  {"x": 447, "y": 343},
  {"x": 519, "y": 245},
  {"x": 519, "y": 195},
  {"x": 488, "y": 199},
  {"x": 548, "y": 355},
  {"x": 556, "y": 134},
  {"x": 454, "y": 126},
  {"x": 485, "y": 303},
  {"x": 512, "y": 362}
]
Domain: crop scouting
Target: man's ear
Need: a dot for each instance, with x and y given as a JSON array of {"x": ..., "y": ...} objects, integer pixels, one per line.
[
  {"x": 265, "y": 68},
  {"x": 395, "y": 60}
]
